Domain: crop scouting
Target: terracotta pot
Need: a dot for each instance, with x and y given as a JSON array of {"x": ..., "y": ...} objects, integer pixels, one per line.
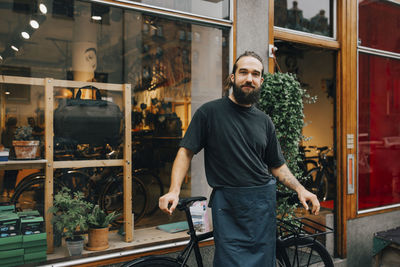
[
  {"x": 25, "y": 149},
  {"x": 98, "y": 239}
]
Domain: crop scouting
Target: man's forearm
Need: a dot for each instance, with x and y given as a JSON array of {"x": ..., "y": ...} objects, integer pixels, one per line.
[
  {"x": 286, "y": 177},
  {"x": 180, "y": 169}
]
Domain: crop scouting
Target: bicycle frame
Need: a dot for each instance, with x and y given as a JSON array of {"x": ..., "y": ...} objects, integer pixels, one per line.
[{"x": 194, "y": 241}]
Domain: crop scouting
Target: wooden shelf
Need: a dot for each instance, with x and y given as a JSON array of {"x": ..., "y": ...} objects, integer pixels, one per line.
[
  {"x": 48, "y": 164},
  {"x": 23, "y": 164}
]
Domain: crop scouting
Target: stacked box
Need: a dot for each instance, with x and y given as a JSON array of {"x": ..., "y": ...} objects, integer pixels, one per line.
[
  {"x": 35, "y": 246},
  {"x": 4, "y": 154},
  {"x": 7, "y": 208},
  {"x": 22, "y": 237},
  {"x": 9, "y": 224},
  {"x": 32, "y": 225},
  {"x": 28, "y": 213},
  {"x": 11, "y": 257}
]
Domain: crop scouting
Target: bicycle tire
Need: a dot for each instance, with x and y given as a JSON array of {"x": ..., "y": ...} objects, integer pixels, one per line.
[
  {"x": 312, "y": 252},
  {"x": 30, "y": 177},
  {"x": 31, "y": 195},
  {"x": 154, "y": 261},
  {"x": 155, "y": 189},
  {"x": 318, "y": 183},
  {"x": 111, "y": 199}
]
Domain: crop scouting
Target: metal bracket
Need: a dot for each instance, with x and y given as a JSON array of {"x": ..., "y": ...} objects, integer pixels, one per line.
[{"x": 271, "y": 50}]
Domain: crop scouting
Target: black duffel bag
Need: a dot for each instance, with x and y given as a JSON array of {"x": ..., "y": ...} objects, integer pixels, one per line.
[{"x": 86, "y": 121}]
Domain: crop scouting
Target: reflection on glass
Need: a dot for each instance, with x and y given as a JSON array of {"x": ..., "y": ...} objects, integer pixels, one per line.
[
  {"x": 377, "y": 20},
  {"x": 210, "y": 8},
  {"x": 379, "y": 131},
  {"x": 312, "y": 16},
  {"x": 172, "y": 66}
]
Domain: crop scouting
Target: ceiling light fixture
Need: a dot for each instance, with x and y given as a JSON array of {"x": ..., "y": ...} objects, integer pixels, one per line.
[
  {"x": 25, "y": 35},
  {"x": 96, "y": 17},
  {"x": 7, "y": 92},
  {"x": 43, "y": 8},
  {"x": 34, "y": 24},
  {"x": 14, "y": 48}
]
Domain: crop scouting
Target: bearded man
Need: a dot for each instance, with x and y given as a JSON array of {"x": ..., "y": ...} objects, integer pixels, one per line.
[{"x": 243, "y": 159}]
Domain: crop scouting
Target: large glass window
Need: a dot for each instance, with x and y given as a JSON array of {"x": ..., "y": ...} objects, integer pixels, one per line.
[
  {"x": 378, "y": 21},
  {"x": 379, "y": 131},
  {"x": 172, "y": 66},
  {"x": 309, "y": 16},
  {"x": 210, "y": 8}
]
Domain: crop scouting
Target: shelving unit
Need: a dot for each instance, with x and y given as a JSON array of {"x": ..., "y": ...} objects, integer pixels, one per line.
[{"x": 48, "y": 164}]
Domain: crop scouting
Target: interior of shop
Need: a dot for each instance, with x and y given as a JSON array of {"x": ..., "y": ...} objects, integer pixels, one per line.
[{"x": 318, "y": 78}]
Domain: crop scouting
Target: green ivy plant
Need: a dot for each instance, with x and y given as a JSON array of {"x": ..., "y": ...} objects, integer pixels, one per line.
[
  {"x": 282, "y": 99},
  {"x": 70, "y": 212},
  {"x": 100, "y": 219}
]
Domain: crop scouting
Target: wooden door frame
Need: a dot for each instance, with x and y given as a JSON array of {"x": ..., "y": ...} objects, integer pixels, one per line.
[{"x": 346, "y": 81}]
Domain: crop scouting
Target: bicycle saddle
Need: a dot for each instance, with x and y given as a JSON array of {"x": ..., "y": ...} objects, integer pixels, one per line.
[{"x": 185, "y": 202}]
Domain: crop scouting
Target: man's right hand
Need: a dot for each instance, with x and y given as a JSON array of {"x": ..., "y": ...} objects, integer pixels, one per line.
[{"x": 168, "y": 202}]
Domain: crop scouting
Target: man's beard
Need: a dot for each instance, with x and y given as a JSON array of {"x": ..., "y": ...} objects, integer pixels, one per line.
[{"x": 245, "y": 98}]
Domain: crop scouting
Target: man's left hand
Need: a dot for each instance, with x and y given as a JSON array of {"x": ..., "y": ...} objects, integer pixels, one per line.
[{"x": 305, "y": 196}]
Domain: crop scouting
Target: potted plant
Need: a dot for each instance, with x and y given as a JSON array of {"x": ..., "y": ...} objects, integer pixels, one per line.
[
  {"x": 24, "y": 145},
  {"x": 99, "y": 222},
  {"x": 282, "y": 99},
  {"x": 70, "y": 212}
]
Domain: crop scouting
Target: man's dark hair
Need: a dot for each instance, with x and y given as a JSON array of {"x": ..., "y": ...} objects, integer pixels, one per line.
[
  {"x": 248, "y": 54},
  {"x": 228, "y": 82}
]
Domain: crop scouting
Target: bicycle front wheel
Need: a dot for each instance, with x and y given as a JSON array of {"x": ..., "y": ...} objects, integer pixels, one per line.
[
  {"x": 302, "y": 251},
  {"x": 153, "y": 261},
  {"x": 155, "y": 188}
]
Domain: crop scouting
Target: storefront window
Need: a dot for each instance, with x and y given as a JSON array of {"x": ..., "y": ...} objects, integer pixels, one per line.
[
  {"x": 379, "y": 35},
  {"x": 309, "y": 16},
  {"x": 379, "y": 131},
  {"x": 172, "y": 66},
  {"x": 210, "y": 8}
]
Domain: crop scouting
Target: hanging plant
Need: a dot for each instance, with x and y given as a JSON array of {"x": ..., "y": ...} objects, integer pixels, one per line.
[{"x": 282, "y": 99}]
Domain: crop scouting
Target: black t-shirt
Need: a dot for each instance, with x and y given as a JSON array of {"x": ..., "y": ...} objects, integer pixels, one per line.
[{"x": 240, "y": 143}]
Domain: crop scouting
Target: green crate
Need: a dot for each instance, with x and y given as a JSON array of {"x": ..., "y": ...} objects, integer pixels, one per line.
[
  {"x": 7, "y": 208},
  {"x": 35, "y": 256},
  {"x": 35, "y": 249},
  {"x": 11, "y": 242},
  {"x": 31, "y": 224},
  {"x": 27, "y": 213},
  {"x": 17, "y": 262},
  {"x": 34, "y": 240},
  {"x": 11, "y": 257}
]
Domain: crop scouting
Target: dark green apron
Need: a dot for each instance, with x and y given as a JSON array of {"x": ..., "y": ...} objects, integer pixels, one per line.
[{"x": 244, "y": 220}]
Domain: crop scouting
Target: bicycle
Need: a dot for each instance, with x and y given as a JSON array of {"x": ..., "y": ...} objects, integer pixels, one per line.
[
  {"x": 29, "y": 193},
  {"x": 322, "y": 177},
  {"x": 294, "y": 242}
]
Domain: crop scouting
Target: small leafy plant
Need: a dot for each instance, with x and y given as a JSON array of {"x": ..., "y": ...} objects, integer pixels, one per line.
[
  {"x": 23, "y": 133},
  {"x": 70, "y": 212},
  {"x": 98, "y": 218}
]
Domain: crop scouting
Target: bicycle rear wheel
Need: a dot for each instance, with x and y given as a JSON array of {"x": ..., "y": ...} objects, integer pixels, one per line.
[
  {"x": 30, "y": 196},
  {"x": 302, "y": 251},
  {"x": 153, "y": 261},
  {"x": 112, "y": 198}
]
